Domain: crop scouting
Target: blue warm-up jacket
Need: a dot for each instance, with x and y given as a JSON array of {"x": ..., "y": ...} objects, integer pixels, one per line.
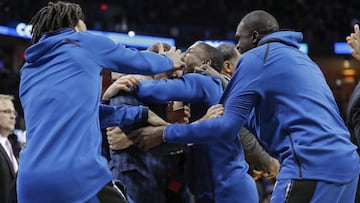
[
  {"x": 295, "y": 114},
  {"x": 60, "y": 92},
  {"x": 211, "y": 161}
]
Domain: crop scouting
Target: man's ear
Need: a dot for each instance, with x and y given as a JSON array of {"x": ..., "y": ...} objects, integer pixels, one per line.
[
  {"x": 227, "y": 67},
  {"x": 207, "y": 62},
  {"x": 80, "y": 26},
  {"x": 255, "y": 37}
]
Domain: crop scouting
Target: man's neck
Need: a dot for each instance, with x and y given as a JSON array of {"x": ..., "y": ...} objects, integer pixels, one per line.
[
  {"x": 4, "y": 133},
  {"x": 226, "y": 74}
]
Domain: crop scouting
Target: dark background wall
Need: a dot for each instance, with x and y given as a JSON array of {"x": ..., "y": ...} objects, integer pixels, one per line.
[{"x": 321, "y": 21}]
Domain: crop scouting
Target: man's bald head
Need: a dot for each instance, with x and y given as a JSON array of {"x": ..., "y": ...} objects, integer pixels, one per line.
[{"x": 253, "y": 27}]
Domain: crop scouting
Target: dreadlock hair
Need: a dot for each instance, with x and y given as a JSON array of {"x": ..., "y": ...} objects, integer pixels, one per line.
[{"x": 55, "y": 16}]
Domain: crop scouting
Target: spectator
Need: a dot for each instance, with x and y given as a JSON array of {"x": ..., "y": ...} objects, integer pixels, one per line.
[{"x": 9, "y": 165}]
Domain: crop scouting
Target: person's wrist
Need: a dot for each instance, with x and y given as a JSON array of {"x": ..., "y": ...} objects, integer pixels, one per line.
[
  {"x": 163, "y": 135},
  {"x": 106, "y": 96}
]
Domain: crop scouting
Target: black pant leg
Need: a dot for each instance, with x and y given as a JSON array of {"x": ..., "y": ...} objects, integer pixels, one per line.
[
  {"x": 301, "y": 191},
  {"x": 110, "y": 193}
]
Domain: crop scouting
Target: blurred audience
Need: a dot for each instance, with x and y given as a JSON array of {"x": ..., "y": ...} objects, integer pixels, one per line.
[
  {"x": 321, "y": 28},
  {"x": 8, "y": 161}
]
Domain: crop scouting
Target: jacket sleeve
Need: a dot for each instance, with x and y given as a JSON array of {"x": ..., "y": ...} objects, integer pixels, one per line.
[
  {"x": 239, "y": 98},
  {"x": 115, "y": 57},
  {"x": 192, "y": 87},
  {"x": 213, "y": 130},
  {"x": 255, "y": 154},
  {"x": 122, "y": 116}
]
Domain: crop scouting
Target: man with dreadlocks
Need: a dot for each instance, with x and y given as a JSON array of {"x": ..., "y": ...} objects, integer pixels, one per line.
[{"x": 60, "y": 94}]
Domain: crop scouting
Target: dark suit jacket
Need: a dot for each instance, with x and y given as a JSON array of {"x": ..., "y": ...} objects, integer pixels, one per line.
[
  {"x": 353, "y": 123},
  {"x": 7, "y": 175},
  {"x": 353, "y": 116}
]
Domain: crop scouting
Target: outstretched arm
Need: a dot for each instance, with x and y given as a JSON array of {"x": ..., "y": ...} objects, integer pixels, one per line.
[
  {"x": 192, "y": 87},
  {"x": 354, "y": 41},
  {"x": 127, "y": 115},
  {"x": 257, "y": 156},
  {"x": 217, "y": 129},
  {"x": 240, "y": 97},
  {"x": 123, "y": 83},
  {"x": 113, "y": 56},
  {"x": 149, "y": 137}
]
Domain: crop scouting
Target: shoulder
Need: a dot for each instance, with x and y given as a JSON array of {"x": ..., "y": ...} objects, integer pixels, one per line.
[
  {"x": 93, "y": 39},
  {"x": 250, "y": 61},
  {"x": 201, "y": 78},
  {"x": 197, "y": 76}
]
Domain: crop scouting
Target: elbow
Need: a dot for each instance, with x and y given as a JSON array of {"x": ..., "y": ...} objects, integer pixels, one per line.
[{"x": 228, "y": 132}]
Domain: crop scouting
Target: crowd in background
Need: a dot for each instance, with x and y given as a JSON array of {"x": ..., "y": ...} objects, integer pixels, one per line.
[{"x": 322, "y": 22}]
